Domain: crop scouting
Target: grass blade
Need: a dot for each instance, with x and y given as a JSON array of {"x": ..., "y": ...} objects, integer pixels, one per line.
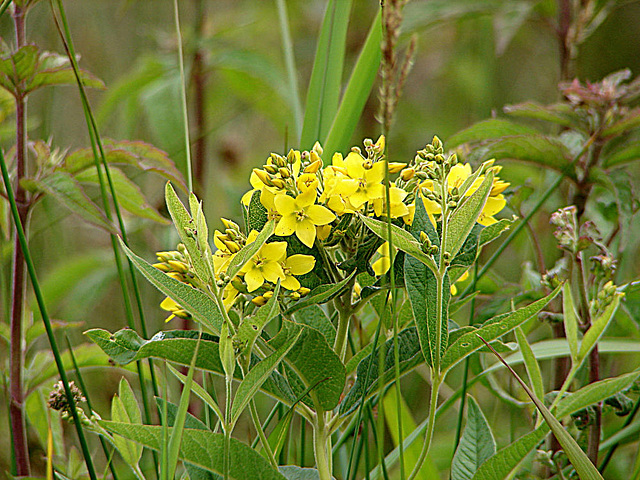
[
  {"x": 326, "y": 76},
  {"x": 357, "y": 91}
]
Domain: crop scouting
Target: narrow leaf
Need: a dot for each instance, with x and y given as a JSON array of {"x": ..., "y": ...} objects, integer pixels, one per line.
[
  {"x": 530, "y": 363},
  {"x": 326, "y": 76},
  {"x": 464, "y": 217},
  {"x": 203, "y": 449},
  {"x": 357, "y": 91},
  {"x": 65, "y": 189},
  {"x": 197, "y": 303},
  {"x": 570, "y": 321},
  {"x": 199, "y": 392},
  {"x": 597, "y": 328},
  {"x": 486, "y": 130},
  {"x": 491, "y": 330}
]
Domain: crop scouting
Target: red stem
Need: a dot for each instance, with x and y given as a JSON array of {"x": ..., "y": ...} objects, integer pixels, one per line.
[{"x": 18, "y": 285}]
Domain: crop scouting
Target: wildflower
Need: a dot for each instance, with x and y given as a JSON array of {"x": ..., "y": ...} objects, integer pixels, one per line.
[
  {"x": 301, "y": 215},
  {"x": 364, "y": 180},
  {"x": 296, "y": 265},
  {"x": 265, "y": 265},
  {"x": 382, "y": 264},
  {"x": 396, "y": 197},
  {"x": 176, "y": 310},
  {"x": 462, "y": 278}
]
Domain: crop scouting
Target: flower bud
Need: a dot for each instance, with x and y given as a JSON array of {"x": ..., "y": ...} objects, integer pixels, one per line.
[
  {"x": 395, "y": 167},
  {"x": 407, "y": 174},
  {"x": 262, "y": 175},
  {"x": 272, "y": 169},
  {"x": 284, "y": 172},
  {"x": 317, "y": 148},
  {"x": 380, "y": 144}
]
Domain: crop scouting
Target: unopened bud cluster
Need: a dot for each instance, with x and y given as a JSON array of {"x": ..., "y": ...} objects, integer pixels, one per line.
[{"x": 58, "y": 399}]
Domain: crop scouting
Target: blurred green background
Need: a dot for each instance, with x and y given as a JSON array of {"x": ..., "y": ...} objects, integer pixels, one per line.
[{"x": 473, "y": 58}]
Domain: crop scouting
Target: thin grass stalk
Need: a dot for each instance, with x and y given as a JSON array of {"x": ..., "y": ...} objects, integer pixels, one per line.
[
  {"x": 263, "y": 438},
  {"x": 358, "y": 422},
  {"x": 45, "y": 316},
  {"x": 183, "y": 94},
  {"x": 99, "y": 156},
  {"x": 199, "y": 78},
  {"x": 289, "y": 60},
  {"x": 18, "y": 277},
  {"x": 376, "y": 441},
  {"x": 465, "y": 374},
  {"x": 85, "y": 392},
  {"x": 4, "y": 6}
]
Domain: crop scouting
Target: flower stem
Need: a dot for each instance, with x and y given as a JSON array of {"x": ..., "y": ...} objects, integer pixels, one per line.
[
  {"x": 226, "y": 463},
  {"x": 322, "y": 446},
  {"x": 433, "y": 404}
]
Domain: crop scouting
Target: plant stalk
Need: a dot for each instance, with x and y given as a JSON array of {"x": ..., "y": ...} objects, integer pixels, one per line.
[
  {"x": 19, "y": 281},
  {"x": 321, "y": 446},
  {"x": 433, "y": 404}
]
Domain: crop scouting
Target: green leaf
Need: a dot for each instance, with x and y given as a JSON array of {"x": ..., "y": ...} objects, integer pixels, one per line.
[
  {"x": 624, "y": 154},
  {"x": 259, "y": 374},
  {"x": 491, "y": 232},
  {"x": 293, "y": 472},
  {"x": 315, "y": 317},
  {"x": 48, "y": 77},
  {"x": 17, "y": 66},
  {"x": 498, "y": 466},
  {"x": 199, "y": 392},
  {"x": 530, "y": 363},
  {"x": 491, "y": 330},
  {"x": 141, "y": 155},
  {"x": 598, "y": 326},
  {"x": 464, "y": 217},
  {"x": 129, "y": 401},
  {"x": 570, "y": 322},
  {"x": 558, "y": 113},
  {"x": 401, "y": 239},
  {"x": 476, "y": 444},
  {"x": 65, "y": 189},
  {"x": 129, "y": 195},
  {"x": 257, "y": 214},
  {"x": 357, "y": 91},
  {"x": 366, "y": 383},
  {"x": 319, "y": 295},
  {"x": 202, "y": 449},
  {"x": 241, "y": 258},
  {"x": 538, "y": 149},
  {"x": 187, "y": 231},
  {"x": 326, "y": 76},
  {"x": 486, "y": 130},
  {"x": 585, "y": 469},
  {"x": 314, "y": 363},
  {"x": 198, "y": 304},
  {"x": 629, "y": 122},
  {"x": 130, "y": 451}
]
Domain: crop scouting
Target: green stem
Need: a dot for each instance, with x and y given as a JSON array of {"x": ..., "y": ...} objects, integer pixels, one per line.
[
  {"x": 226, "y": 462},
  {"x": 45, "y": 316},
  {"x": 435, "y": 388},
  {"x": 263, "y": 438},
  {"x": 321, "y": 446},
  {"x": 344, "y": 315}
]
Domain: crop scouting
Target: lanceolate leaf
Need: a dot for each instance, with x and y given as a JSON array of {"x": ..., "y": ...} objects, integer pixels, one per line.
[
  {"x": 464, "y": 218},
  {"x": 357, "y": 91},
  {"x": 251, "y": 327},
  {"x": 498, "y": 466},
  {"x": 187, "y": 231},
  {"x": 409, "y": 347},
  {"x": 530, "y": 363},
  {"x": 597, "y": 328},
  {"x": 401, "y": 239},
  {"x": 486, "y": 130},
  {"x": 570, "y": 321},
  {"x": 313, "y": 362},
  {"x": 203, "y": 449},
  {"x": 476, "y": 444},
  {"x": 491, "y": 330},
  {"x": 197, "y": 303},
  {"x": 585, "y": 469},
  {"x": 138, "y": 154},
  {"x": 326, "y": 76},
  {"x": 65, "y": 189},
  {"x": 129, "y": 195}
]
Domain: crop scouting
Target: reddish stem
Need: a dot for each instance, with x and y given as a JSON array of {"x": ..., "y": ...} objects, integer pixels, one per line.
[{"x": 18, "y": 285}]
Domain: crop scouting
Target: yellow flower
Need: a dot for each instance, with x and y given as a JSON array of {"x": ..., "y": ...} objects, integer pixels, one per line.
[
  {"x": 301, "y": 215},
  {"x": 463, "y": 277},
  {"x": 382, "y": 264},
  {"x": 363, "y": 184},
  {"x": 265, "y": 265},
  {"x": 176, "y": 310},
  {"x": 494, "y": 205},
  {"x": 398, "y": 208},
  {"x": 225, "y": 252},
  {"x": 296, "y": 265}
]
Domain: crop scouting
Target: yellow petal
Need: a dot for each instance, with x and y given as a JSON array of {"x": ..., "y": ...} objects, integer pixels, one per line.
[
  {"x": 375, "y": 190},
  {"x": 359, "y": 198},
  {"x": 274, "y": 251},
  {"x": 169, "y": 305},
  {"x": 375, "y": 174},
  {"x": 306, "y": 232},
  {"x": 354, "y": 162},
  {"x": 300, "y": 264},
  {"x": 337, "y": 160},
  {"x": 320, "y": 215},
  {"x": 272, "y": 271},
  {"x": 381, "y": 266},
  {"x": 254, "y": 279},
  {"x": 286, "y": 226},
  {"x": 285, "y": 204},
  {"x": 305, "y": 199},
  {"x": 290, "y": 283}
]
